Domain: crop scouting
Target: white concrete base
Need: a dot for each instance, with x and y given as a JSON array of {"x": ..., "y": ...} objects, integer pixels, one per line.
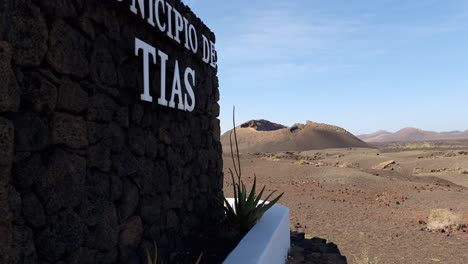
[{"x": 268, "y": 242}]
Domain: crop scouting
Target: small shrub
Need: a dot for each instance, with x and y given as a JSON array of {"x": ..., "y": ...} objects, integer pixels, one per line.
[{"x": 442, "y": 219}]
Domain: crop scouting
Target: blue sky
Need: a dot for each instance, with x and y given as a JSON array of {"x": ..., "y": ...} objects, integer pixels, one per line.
[{"x": 361, "y": 65}]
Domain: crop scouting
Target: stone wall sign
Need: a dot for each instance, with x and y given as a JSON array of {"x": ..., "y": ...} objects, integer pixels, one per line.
[
  {"x": 109, "y": 130},
  {"x": 165, "y": 18}
]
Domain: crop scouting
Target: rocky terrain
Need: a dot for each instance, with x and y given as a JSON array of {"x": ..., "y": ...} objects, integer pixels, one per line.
[
  {"x": 265, "y": 136},
  {"x": 378, "y": 206}
]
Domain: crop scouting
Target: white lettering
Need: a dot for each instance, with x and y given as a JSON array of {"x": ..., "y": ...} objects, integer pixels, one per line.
[
  {"x": 193, "y": 42},
  {"x": 206, "y": 50},
  {"x": 179, "y": 25},
  {"x": 176, "y": 89},
  {"x": 169, "y": 21},
  {"x": 188, "y": 86},
  {"x": 162, "y": 97},
  {"x": 187, "y": 41},
  {"x": 213, "y": 55},
  {"x": 147, "y": 50},
  {"x": 141, "y": 4}
]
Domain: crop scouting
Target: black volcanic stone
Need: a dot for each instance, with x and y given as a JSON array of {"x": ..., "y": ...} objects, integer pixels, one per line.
[
  {"x": 71, "y": 97},
  {"x": 116, "y": 186},
  {"x": 102, "y": 66},
  {"x": 150, "y": 209},
  {"x": 68, "y": 50},
  {"x": 41, "y": 94},
  {"x": 83, "y": 255},
  {"x": 59, "y": 8},
  {"x": 122, "y": 117},
  {"x": 101, "y": 108},
  {"x": 27, "y": 34},
  {"x": 33, "y": 211},
  {"x": 98, "y": 185},
  {"x": 105, "y": 234},
  {"x": 9, "y": 90},
  {"x": 62, "y": 184},
  {"x": 105, "y": 17},
  {"x": 29, "y": 171},
  {"x": 130, "y": 237},
  {"x": 65, "y": 233},
  {"x": 129, "y": 201},
  {"x": 69, "y": 130},
  {"x": 32, "y": 132},
  {"x": 97, "y": 132},
  {"x": 7, "y": 137},
  {"x": 136, "y": 138},
  {"x": 99, "y": 156},
  {"x": 125, "y": 163}
]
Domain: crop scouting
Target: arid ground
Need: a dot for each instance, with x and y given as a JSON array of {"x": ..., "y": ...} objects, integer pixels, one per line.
[{"x": 372, "y": 203}]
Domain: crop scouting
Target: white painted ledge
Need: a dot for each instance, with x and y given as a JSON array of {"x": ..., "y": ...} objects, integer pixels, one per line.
[{"x": 268, "y": 242}]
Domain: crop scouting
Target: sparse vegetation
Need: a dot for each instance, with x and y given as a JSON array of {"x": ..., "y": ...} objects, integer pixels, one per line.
[
  {"x": 248, "y": 207},
  {"x": 441, "y": 219}
]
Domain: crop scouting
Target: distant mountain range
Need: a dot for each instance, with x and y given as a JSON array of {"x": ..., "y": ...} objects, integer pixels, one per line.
[
  {"x": 412, "y": 134},
  {"x": 266, "y": 136}
]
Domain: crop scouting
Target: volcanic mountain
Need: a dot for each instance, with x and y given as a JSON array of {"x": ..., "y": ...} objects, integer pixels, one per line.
[
  {"x": 266, "y": 136},
  {"x": 410, "y": 134}
]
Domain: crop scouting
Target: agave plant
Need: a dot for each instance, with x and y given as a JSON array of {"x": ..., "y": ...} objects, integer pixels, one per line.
[{"x": 248, "y": 207}]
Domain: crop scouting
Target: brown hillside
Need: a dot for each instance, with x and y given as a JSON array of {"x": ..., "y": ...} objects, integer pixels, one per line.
[
  {"x": 410, "y": 134},
  {"x": 265, "y": 136}
]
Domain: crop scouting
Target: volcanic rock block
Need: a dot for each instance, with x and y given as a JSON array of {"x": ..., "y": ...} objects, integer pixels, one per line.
[
  {"x": 129, "y": 201},
  {"x": 102, "y": 66},
  {"x": 61, "y": 185},
  {"x": 27, "y": 33},
  {"x": 105, "y": 235},
  {"x": 83, "y": 256},
  {"x": 130, "y": 237},
  {"x": 101, "y": 108},
  {"x": 172, "y": 219},
  {"x": 116, "y": 186},
  {"x": 122, "y": 117},
  {"x": 41, "y": 94},
  {"x": 27, "y": 174},
  {"x": 32, "y": 132},
  {"x": 125, "y": 163},
  {"x": 69, "y": 130},
  {"x": 136, "y": 138},
  {"x": 33, "y": 211},
  {"x": 150, "y": 210},
  {"x": 99, "y": 156},
  {"x": 71, "y": 97},
  {"x": 7, "y": 137},
  {"x": 59, "y": 8},
  {"x": 97, "y": 185},
  {"x": 65, "y": 233},
  {"x": 9, "y": 93},
  {"x": 16, "y": 244},
  {"x": 68, "y": 50}
]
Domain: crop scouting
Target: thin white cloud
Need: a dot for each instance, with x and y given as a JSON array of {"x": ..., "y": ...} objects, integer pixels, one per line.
[{"x": 280, "y": 34}]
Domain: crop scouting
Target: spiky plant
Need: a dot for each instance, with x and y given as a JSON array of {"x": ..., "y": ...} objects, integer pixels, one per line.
[{"x": 248, "y": 207}]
